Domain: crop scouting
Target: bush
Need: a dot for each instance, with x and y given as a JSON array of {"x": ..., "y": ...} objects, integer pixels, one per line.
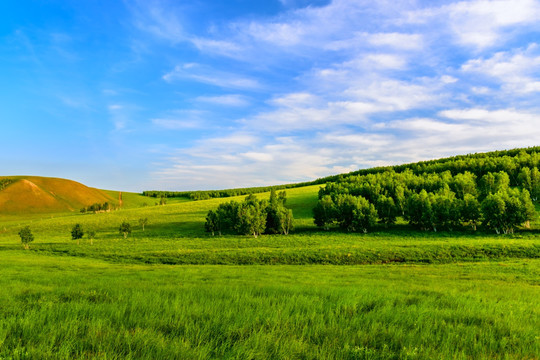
[{"x": 26, "y": 236}]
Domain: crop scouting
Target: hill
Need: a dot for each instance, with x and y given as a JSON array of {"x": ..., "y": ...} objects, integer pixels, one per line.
[{"x": 38, "y": 195}]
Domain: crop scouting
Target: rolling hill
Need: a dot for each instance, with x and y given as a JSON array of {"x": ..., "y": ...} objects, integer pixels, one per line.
[{"x": 37, "y": 195}]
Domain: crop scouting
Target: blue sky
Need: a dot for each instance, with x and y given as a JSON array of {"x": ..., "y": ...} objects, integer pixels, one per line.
[{"x": 181, "y": 95}]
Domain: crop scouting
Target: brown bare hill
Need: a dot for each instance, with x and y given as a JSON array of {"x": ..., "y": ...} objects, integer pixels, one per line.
[{"x": 35, "y": 195}]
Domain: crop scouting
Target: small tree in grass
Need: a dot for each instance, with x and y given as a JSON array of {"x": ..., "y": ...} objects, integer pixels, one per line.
[
  {"x": 77, "y": 233},
  {"x": 26, "y": 236},
  {"x": 125, "y": 229},
  {"x": 143, "y": 222},
  {"x": 91, "y": 235}
]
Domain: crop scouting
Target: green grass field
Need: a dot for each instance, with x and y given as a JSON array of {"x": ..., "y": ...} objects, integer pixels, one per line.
[{"x": 173, "y": 291}]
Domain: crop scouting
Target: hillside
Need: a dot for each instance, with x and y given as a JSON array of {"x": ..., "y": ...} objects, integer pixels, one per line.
[{"x": 38, "y": 195}]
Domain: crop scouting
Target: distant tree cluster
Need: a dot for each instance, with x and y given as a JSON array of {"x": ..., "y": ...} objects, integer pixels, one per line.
[
  {"x": 252, "y": 216},
  {"x": 5, "y": 183},
  {"x": 437, "y": 200},
  {"x": 97, "y": 207}
]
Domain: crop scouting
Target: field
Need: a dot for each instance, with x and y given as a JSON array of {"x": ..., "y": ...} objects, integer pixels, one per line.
[{"x": 173, "y": 291}]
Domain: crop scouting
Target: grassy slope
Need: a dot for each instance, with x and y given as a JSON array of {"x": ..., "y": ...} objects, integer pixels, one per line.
[{"x": 109, "y": 301}]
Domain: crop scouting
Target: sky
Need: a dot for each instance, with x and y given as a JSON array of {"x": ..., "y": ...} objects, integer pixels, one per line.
[{"x": 210, "y": 94}]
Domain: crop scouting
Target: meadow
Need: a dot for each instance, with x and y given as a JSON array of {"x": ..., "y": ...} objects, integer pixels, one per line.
[{"x": 173, "y": 291}]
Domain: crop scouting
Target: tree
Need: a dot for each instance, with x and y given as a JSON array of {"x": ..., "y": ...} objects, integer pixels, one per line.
[
  {"x": 278, "y": 218},
  {"x": 324, "y": 213},
  {"x": 77, "y": 233},
  {"x": 463, "y": 184},
  {"x": 252, "y": 217},
  {"x": 211, "y": 224},
  {"x": 493, "y": 208},
  {"x": 364, "y": 215},
  {"x": 91, "y": 235},
  {"x": 26, "y": 236},
  {"x": 143, "y": 222},
  {"x": 387, "y": 209},
  {"x": 419, "y": 211},
  {"x": 285, "y": 218},
  {"x": 345, "y": 206},
  {"x": 535, "y": 184},
  {"x": 125, "y": 229},
  {"x": 528, "y": 207},
  {"x": 470, "y": 210}
]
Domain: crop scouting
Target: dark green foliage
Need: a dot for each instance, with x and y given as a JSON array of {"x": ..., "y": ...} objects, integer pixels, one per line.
[
  {"x": 97, "y": 207},
  {"x": 443, "y": 194},
  {"x": 77, "y": 232},
  {"x": 355, "y": 213},
  {"x": 364, "y": 216},
  {"x": 4, "y": 183},
  {"x": 278, "y": 217},
  {"x": 26, "y": 236},
  {"x": 387, "y": 209},
  {"x": 125, "y": 229},
  {"x": 212, "y": 224},
  {"x": 325, "y": 212},
  {"x": 505, "y": 211},
  {"x": 464, "y": 184},
  {"x": 470, "y": 210},
  {"x": 251, "y": 217},
  {"x": 345, "y": 206},
  {"x": 419, "y": 211}
]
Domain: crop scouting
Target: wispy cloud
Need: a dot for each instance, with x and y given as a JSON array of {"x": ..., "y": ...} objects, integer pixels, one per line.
[
  {"x": 234, "y": 100},
  {"x": 515, "y": 70},
  {"x": 208, "y": 75}
]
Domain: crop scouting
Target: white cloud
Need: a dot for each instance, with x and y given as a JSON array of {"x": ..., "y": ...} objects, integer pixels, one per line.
[
  {"x": 160, "y": 21},
  {"x": 397, "y": 40},
  {"x": 516, "y": 70},
  {"x": 234, "y": 100},
  {"x": 481, "y": 23},
  {"x": 207, "y": 75},
  {"x": 176, "y": 124}
]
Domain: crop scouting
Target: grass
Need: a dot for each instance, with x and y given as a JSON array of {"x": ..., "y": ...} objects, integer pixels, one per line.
[
  {"x": 458, "y": 295},
  {"x": 79, "y": 308}
]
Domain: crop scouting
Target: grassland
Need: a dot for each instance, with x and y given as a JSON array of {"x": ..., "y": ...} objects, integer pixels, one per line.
[{"x": 172, "y": 291}]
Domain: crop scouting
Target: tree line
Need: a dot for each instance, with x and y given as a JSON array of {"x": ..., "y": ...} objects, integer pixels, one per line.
[
  {"x": 252, "y": 216},
  {"x": 509, "y": 161},
  {"x": 97, "y": 207},
  {"x": 430, "y": 201},
  {"x": 4, "y": 183}
]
